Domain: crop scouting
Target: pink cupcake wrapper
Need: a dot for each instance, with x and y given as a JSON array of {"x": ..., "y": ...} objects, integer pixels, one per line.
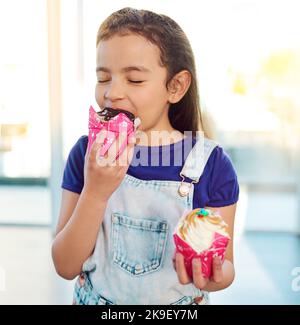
[
  {"x": 217, "y": 248},
  {"x": 118, "y": 124}
]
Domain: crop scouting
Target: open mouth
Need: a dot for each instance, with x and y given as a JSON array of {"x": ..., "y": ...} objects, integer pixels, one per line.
[{"x": 108, "y": 113}]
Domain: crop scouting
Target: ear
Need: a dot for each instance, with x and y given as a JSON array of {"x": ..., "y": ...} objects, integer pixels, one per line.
[{"x": 178, "y": 86}]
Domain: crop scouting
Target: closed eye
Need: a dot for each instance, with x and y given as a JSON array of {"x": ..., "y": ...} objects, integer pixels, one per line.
[
  {"x": 132, "y": 81},
  {"x": 136, "y": 81}
]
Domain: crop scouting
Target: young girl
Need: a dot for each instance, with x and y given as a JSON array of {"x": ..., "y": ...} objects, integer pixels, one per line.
[{"x": 116, "y": 220}]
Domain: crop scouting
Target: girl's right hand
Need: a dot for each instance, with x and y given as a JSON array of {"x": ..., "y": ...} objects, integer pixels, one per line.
[{"x": 103, "y": 175}]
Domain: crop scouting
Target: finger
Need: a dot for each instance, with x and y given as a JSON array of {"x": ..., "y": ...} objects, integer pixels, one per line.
[
  {"x": 217, "y": 269},
  {"x": 132, "y": 140},
  {"x": 181, "y": 270},
  {"x": 114, "y": 149},
  {"x": 109, "y": 159},
  {"x": 121, "y": 147},
  {"x": 174, "y": 260},
  {"x": 97, "y": 144},
  {"x": 101, "y": 137},
  {"x": 131, "y": 143},
  {"x": 126, "y": 156},
  {"x": 198, "y": 279}
]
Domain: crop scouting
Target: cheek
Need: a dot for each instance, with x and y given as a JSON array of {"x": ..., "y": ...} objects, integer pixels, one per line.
[
  {"x": 97, "y": 91},
  {"x": 144, "y": 103},
  {"x": 150, "y": 97},
  {"x": 98, "y": 95}
]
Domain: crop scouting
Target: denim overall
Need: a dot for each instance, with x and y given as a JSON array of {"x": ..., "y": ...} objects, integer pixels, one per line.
[{"x": 132, "y": 259}]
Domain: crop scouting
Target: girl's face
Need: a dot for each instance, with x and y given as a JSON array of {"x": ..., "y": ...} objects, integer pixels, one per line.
[{"x": 129, "y": 76}]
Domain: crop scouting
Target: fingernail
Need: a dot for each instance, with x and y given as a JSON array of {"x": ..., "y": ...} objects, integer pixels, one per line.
[
  {"x": 196, "y": 261},
  {"x": 217, "y": 259},
  {"x": 178, "y": 255},
  {"x": 99, "y": 135}
]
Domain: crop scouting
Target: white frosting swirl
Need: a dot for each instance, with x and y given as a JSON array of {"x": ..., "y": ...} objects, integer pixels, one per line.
[{"x": 198, "y": 231}]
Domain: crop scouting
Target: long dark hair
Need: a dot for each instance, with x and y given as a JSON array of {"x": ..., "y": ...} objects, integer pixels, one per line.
[{"x": 176, "y": 55}]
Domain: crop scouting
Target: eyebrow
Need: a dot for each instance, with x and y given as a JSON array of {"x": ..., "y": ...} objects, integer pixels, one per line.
[{"x": 126, "y": 69}]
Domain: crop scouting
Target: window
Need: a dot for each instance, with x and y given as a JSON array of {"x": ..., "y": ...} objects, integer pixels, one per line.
[
  {"x": 24, "y": 116},
  {"x": 24, "y": 112}
]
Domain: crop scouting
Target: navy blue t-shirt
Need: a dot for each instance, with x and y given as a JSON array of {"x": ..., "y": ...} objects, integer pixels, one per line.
[{"x": 217, "y": 186}]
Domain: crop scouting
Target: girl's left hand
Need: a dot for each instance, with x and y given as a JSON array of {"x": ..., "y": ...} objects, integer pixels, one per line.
[{"x": 198, "y": 280}]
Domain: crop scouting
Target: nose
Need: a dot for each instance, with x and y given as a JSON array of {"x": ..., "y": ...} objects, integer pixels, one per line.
[{"x": 114, "y": 91}]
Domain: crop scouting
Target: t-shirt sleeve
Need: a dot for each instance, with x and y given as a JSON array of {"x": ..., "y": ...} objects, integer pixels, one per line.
[
  {"x": 223, "y": 185},
  {"x": 73, "y": 177}
]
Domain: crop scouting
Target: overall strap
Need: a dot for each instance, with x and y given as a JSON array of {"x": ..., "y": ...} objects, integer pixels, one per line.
[{"x": 197, "y": 158}]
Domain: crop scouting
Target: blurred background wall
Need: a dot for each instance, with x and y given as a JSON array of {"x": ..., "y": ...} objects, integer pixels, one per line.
[{"x": 248, "y": 60}]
